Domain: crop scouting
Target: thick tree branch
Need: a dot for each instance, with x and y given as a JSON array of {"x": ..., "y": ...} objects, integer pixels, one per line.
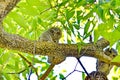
[{"x": 16, "y": 42}]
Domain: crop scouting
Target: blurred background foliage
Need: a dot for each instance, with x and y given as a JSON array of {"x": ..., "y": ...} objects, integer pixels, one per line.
[{"x": 78, "y": 19}]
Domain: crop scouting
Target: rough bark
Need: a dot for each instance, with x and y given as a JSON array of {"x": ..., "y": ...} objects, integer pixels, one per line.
[
  {"x": 6, "y": 6},
  {"x": 59, "y": 51}
]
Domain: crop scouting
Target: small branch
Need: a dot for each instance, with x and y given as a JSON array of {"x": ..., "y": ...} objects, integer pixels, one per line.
[
  {"x": 6, "y": 6},
  {"x": 90, "y": 39},
  {"x": 72, "y": 72},
  {"x": 18, "y": 72},
  {"x": 48, "y": 9},
  {"x": 25, "y": 59},
  {"x": 47, "y": 72},
  {"x": 50, "y": 3},
  {"x": 82, "y": 66},
  {"x": 30, "y": 64}
]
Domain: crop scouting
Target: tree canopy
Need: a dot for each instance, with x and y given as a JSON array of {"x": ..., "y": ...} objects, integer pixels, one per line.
[{"x": 83, "y": 23}]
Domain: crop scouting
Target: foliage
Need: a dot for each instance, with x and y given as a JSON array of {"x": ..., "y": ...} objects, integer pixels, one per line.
[{"x": 78, "y": 18}]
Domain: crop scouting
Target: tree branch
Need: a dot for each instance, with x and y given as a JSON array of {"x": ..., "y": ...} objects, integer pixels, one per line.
[
  {"x": 16, "y": 42},
  {"x": 6, "y": 6},
  {"x": 30, "y": 64},
  {"x": 47, "y": 72}
]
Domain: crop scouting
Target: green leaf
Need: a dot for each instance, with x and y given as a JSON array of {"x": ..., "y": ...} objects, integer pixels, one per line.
[
  {"x": 63, "y": 3},
  {"x": 33, "y": 2},
  {"x": 61, "y": 76},
  {"x": 79, "y": 17},
  {"x": 8, "y": 22},
  {"x": 11, "y": 68},
  {"x": 16, "y": 64},
  {"x": 112, "y": 37},
  {"x": 18, "y": 18},
  {"x": 87, "y": 26},
  {"x": 90, "y": 14},
  {"x": 27, "y": 9},
  {"x": 54, "y": 78},
  {"x": 44, "y": 66},
  {"x": 96, "y": 34},
  {"x": 83, "y": 75},
  {"x": 100, "y": 12},
  {"x": 118, "y": 28},
  {"x": 117, "y": 2},
  {"x": 90, "y": 1},
  {"x": 77, "y": 26},
  {"x": 79, "y": 35},
  {"x": 116, "y": 59},
  {"x": 101, "y": 2},
  {"x": 34, "y": 24},
  {"x": 107, "y": 31},
  {"x": 80, "y": 44},
  {"x": 115, "y": 78},
  {"x": 86, "y": 35},
  {"x": 7, "y": 77},
  {"x": 69, "y": 14},
  {"x": 113, "y": 3},
  {"x": 5, "y": 57},
  {"x": 117, "y": 10}
]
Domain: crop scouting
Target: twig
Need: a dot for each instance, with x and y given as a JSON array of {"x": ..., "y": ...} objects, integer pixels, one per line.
[
  {"x": 72, "y": 72},
  {"x": 47, "y": 72},
  {"x": 90, "y": 39},
  {"x": 25, "y": 59},
  {"x": 82, "y": 66},
  {"x": 30, "y": 64},
  {"x": 18, "y": 72},
  {"x": 47, "y": 9}
]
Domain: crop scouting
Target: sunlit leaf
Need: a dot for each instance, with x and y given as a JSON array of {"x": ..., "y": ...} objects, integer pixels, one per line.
[
  {"x": 69, "y": 14},
  {"x": 28, "y": 9},
  {"x": 79, "y": 17},
  {"x": 90, "y": 1},
  {"x": 96, "y": 34},
  {"x": 18, "y": 18},
  {"x": 83, "y": 76},
  {"x": 100, "y": 12},
  {"x": 33, "y": 3},
  {"x": 80, "y": 44},
  {"x": 87, "y": 25},
  {"x": 116, "y": 59},
  {"x": 53, "y": 78}
]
